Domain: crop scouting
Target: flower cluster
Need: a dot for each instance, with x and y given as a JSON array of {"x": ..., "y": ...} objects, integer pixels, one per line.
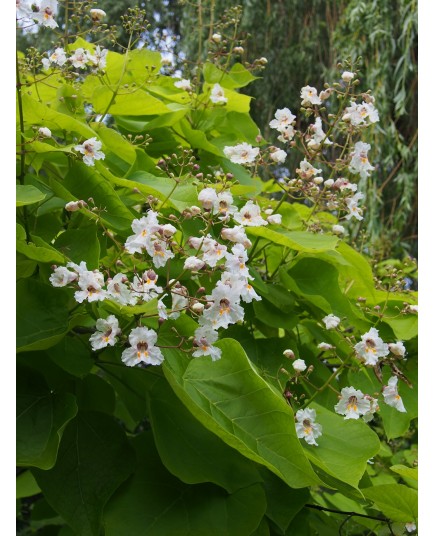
[{"x": 80, "y": 59}]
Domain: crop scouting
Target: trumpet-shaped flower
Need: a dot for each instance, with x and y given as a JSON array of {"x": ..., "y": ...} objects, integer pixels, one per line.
[
  {"x": 218, "y": 95},
  {"x": 352, "y": 206},
  {"x": 250, "y": 215},
  {"x": 318, "y": 135},
  {"x": 236, "y": 234},
  {"x": 80, "y": 59},
  {"x": 359, "y": 160},
  {"x": 91, "y": 151},
  {"x": 46, "y": 13},
  {"x": 143, "y": 349},
  {"x": 283, "y": 120},
  {"x": 62, "y": 277},
  {"x": 242, "y": 153},
  {"x": 352, "y": 403},
  {"x": 309, "y": 95},
  {"x": 371, "y": 348},
  {"x": 331, "y": 321},
  {"x": 306, "y": 427},
  {"x": 183, "y": 84},
  {"x": 397, "y": 348},
  {"x": 278, "y": 156},
  {"x": 236, "y": 261},
  {"x": 299, "y": 365},
  {"x": 119, "y": 291},
  {"x": 391, "y": 396},
  {"x": 143, "y": 229},
  {"x": 306, "y": 170},
  {"x": 146, "y": 287},
  {"x": 99, "y": 58},
  {"x": 90, "y": 284},
  {"x": 106, "y": 332},
  {"x": 204, "y": 337}
]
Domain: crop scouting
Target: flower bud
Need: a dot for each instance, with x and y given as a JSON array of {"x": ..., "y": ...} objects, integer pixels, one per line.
[
  {"x": 347, "y": 76},
  {"x": 216, "y": 38},
  {"x": 289, "y": 354},
  {"x": 97, "y": 14},
  {"x": 195, "y": 210},
  {"x": 44, "y": 132},
  {"x": 329, "y": 182},
  {"x": 239, "y": 50},
  {"x": 299, "y": 365},
  {"x": 318, "y": 180},
  {"x": 73, "y": 206},
  {"x": 338, "y": 230},
  {"x": 198, "y": 308}
]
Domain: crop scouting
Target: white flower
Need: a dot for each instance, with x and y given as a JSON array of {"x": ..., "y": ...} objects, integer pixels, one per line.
[
  {"x": 45, "y": 14},
  {"x": 278, "y": 156},
  {"x": 213, "y": 251},
  {"x": 62, "y": 277},
  {"x": 193, "y": 263},
  {"x": 345, "y": 184},
  {"x": 58, "y": 57},
  {"x": 44, "y": 132},
  {"x": 347, "y": 76},
  {"x": 359, "y": 160},
  {"x": 353, "y": 208},
  {"x": 306, "y": 170},
  {"x": 338, "y": 230},
  {"x": 397, "y": 348},
  {"x": 274, "y": 219},
  {"x": 24, "y": 9},
  {"x": 73, "y": 206},
  {"x": 325, "y": 346},
  {"x": 91, "y": 150},
  {"x": 283, "y": 120},
  {"x": 236, "y": 262},
  {"x": 361, "y": 114},
  {"x": 162, "y": 308},
  {"x": 80, "y": 58},
  {"x": 410, "y": 527},
  {"x": 159, "y": 252},
  {"x": 119, "y": 291},
  {"x": 225, "y": 309},
  {"x": 318, "y": 135},
  {"x": 352, "y": 403},
  {"x": 91, "y": 284},
  {"x": 183, "y": 84},
  {"x": 204, "y": 337},
  {"x": 242, "y": 153},
  {"x": 374, "y": 407},
  {"x": 236, "y": 234},
  {"x": 223, "y": 205},
  {"x": 299, "y": 365},
  {"x": 331, "y": 321},
  {"x": 198, "y": 308},
  {"x": 289, "y": 354},
  {"x": 309, "y": 95},
  {"x": 143, "y": 229},
  {"x": 413, "y": 309},
  {"x": 208, "y": 198},
  {"x": 216, "y": 37},
  {"x": 107, "y": 329},
  {"x": 306, "y": 427},
  {"x": 391, "y": 396},
  {"x": 99, "y": 59},
  {"x": 250, "y": 215},
  {"x": 146, "y": 287},
  {"x": 371, "y": 348},
  {"x": 97, "y": 14},
  {"x": 142, "y": 341},
  {"x": 180, "y": 300},
  {"x": 329, "y": 183},
  {"x": 218, "y": 95}
]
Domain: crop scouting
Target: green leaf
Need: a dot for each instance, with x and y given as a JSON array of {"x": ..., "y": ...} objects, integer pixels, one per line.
[
  {"x": 42, "y": 315},
  {"x": 40, "y": 251},
  {"x": 41, "y": 417},
  {"x": 237, "y": 77},
  {"x": 137, "y": 66},
  {"x": 84, "y": 182},
  {"x": 138, "y": 102},
  {"x": 396, "y": 501},
  {"x": 80, "y": 245},
  {"x": 297, "y": 240},
  {"x": 155, "y": 503},
  {"x": 72, "y": 355},
  {"x": 94, "y": 459},
  {"x": 180, "y": 198},
  {"x": 344, "y": 448},
  {"x": 283, "y": 502},
  {"x": 406, "y": 472},
  {"x": 28, "y": 194},
  {"x": 148, "y": 308},
  {"x": 229, "y": 398},
  {"x": 191, "y": 452},
  {"x": 26, "y": 485}
]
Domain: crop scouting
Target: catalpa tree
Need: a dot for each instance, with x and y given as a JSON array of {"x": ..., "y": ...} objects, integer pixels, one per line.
[{"x": 201, "y": 349}]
